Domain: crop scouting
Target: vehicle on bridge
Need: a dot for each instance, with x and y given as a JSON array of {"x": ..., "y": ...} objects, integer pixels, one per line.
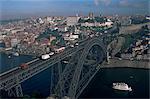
[
  {"x": 59, "y": 50},
  {"x": 76, "y": 44},
  {"x": 46, "y": 56},
  {"x": 24, "y": 66},
  {"x": 51, "y": 53}
]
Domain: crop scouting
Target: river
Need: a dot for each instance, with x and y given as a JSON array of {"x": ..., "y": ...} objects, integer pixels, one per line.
[
  {"x": 99, "y": 87},
  {"x": 10, "y": 61}
]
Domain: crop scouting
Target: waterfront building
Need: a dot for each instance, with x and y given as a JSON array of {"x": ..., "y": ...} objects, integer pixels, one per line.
[{"x": 14, "y": 42}]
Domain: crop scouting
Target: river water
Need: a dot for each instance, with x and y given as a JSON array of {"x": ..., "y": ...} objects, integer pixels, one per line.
[
  {"x": 99, "y": 87},
  {"x": 10, "y": 61}
]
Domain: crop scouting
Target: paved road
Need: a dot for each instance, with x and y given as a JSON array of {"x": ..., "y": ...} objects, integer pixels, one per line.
[
  {"x": 132, "y": 28},
  {"x": 116, "y": 45},
  {"x": 127, "y": 63}
]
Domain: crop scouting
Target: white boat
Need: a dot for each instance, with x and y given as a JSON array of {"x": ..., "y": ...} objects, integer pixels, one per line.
[
  {"x": 121, "y": 86},
  {"x": 9, "y": 56},
  {"x": 16, "y": 54}
]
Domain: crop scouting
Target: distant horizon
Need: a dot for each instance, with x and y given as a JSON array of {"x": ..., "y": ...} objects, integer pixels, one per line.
[
  {"x": 16, "y": 9},
  {"x": 29, "y": 17}
]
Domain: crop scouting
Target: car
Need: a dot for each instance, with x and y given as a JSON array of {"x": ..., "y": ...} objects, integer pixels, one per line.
[
  {"x": 24, "y": 66},
  {"x": 76, "y": 44},
  {"x": 71, "y": 46}
]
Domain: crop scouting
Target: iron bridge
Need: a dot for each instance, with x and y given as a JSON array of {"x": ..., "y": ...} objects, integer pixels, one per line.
[{"x": 83, "y": 62}]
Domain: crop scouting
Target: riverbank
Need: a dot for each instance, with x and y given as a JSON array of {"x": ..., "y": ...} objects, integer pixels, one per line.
[
  {"x": 132, "y": 28},
  {"x": 127, "y": 63}
]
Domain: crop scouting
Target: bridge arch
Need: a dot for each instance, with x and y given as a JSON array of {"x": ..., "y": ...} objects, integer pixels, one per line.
[{"x": 76, "y": 83}]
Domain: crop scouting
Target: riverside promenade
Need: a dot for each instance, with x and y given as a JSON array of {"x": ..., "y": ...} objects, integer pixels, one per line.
[{"x": 114, "y": 63}]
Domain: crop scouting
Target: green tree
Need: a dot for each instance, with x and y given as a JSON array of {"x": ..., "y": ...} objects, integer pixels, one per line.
[{"x": 54, "y": 42}]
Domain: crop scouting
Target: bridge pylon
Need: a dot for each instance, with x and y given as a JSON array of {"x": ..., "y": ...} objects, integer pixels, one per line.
[{"x": 15, "y": 91}]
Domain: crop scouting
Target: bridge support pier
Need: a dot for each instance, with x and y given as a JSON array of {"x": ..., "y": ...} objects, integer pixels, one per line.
[
  {"x": 19, "y": 92},
  {"x": 51, "y": 83},
  {"x": 108, "y": 60},
  {"x": 15, "y": 91},
  {"x": 59, "y": 68},
  {"x": 55, "y": 75},
  {"x": 11, "y": 93}
]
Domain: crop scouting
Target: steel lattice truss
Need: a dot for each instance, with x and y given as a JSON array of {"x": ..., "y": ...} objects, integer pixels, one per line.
[{"x": 71, "y": 80}]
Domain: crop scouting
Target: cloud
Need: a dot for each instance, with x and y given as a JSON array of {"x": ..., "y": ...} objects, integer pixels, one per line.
[
  {"x": 140, "y": 4},
  {"x": 124, "y": 3},
  {"x": 96, "y": 2},
  {"x": 106, "y": 2},
  {"x": 133, "y": 4}
]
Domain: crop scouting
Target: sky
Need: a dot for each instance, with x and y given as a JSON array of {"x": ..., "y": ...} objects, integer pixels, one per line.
[{"x": 30, "y": 8}]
